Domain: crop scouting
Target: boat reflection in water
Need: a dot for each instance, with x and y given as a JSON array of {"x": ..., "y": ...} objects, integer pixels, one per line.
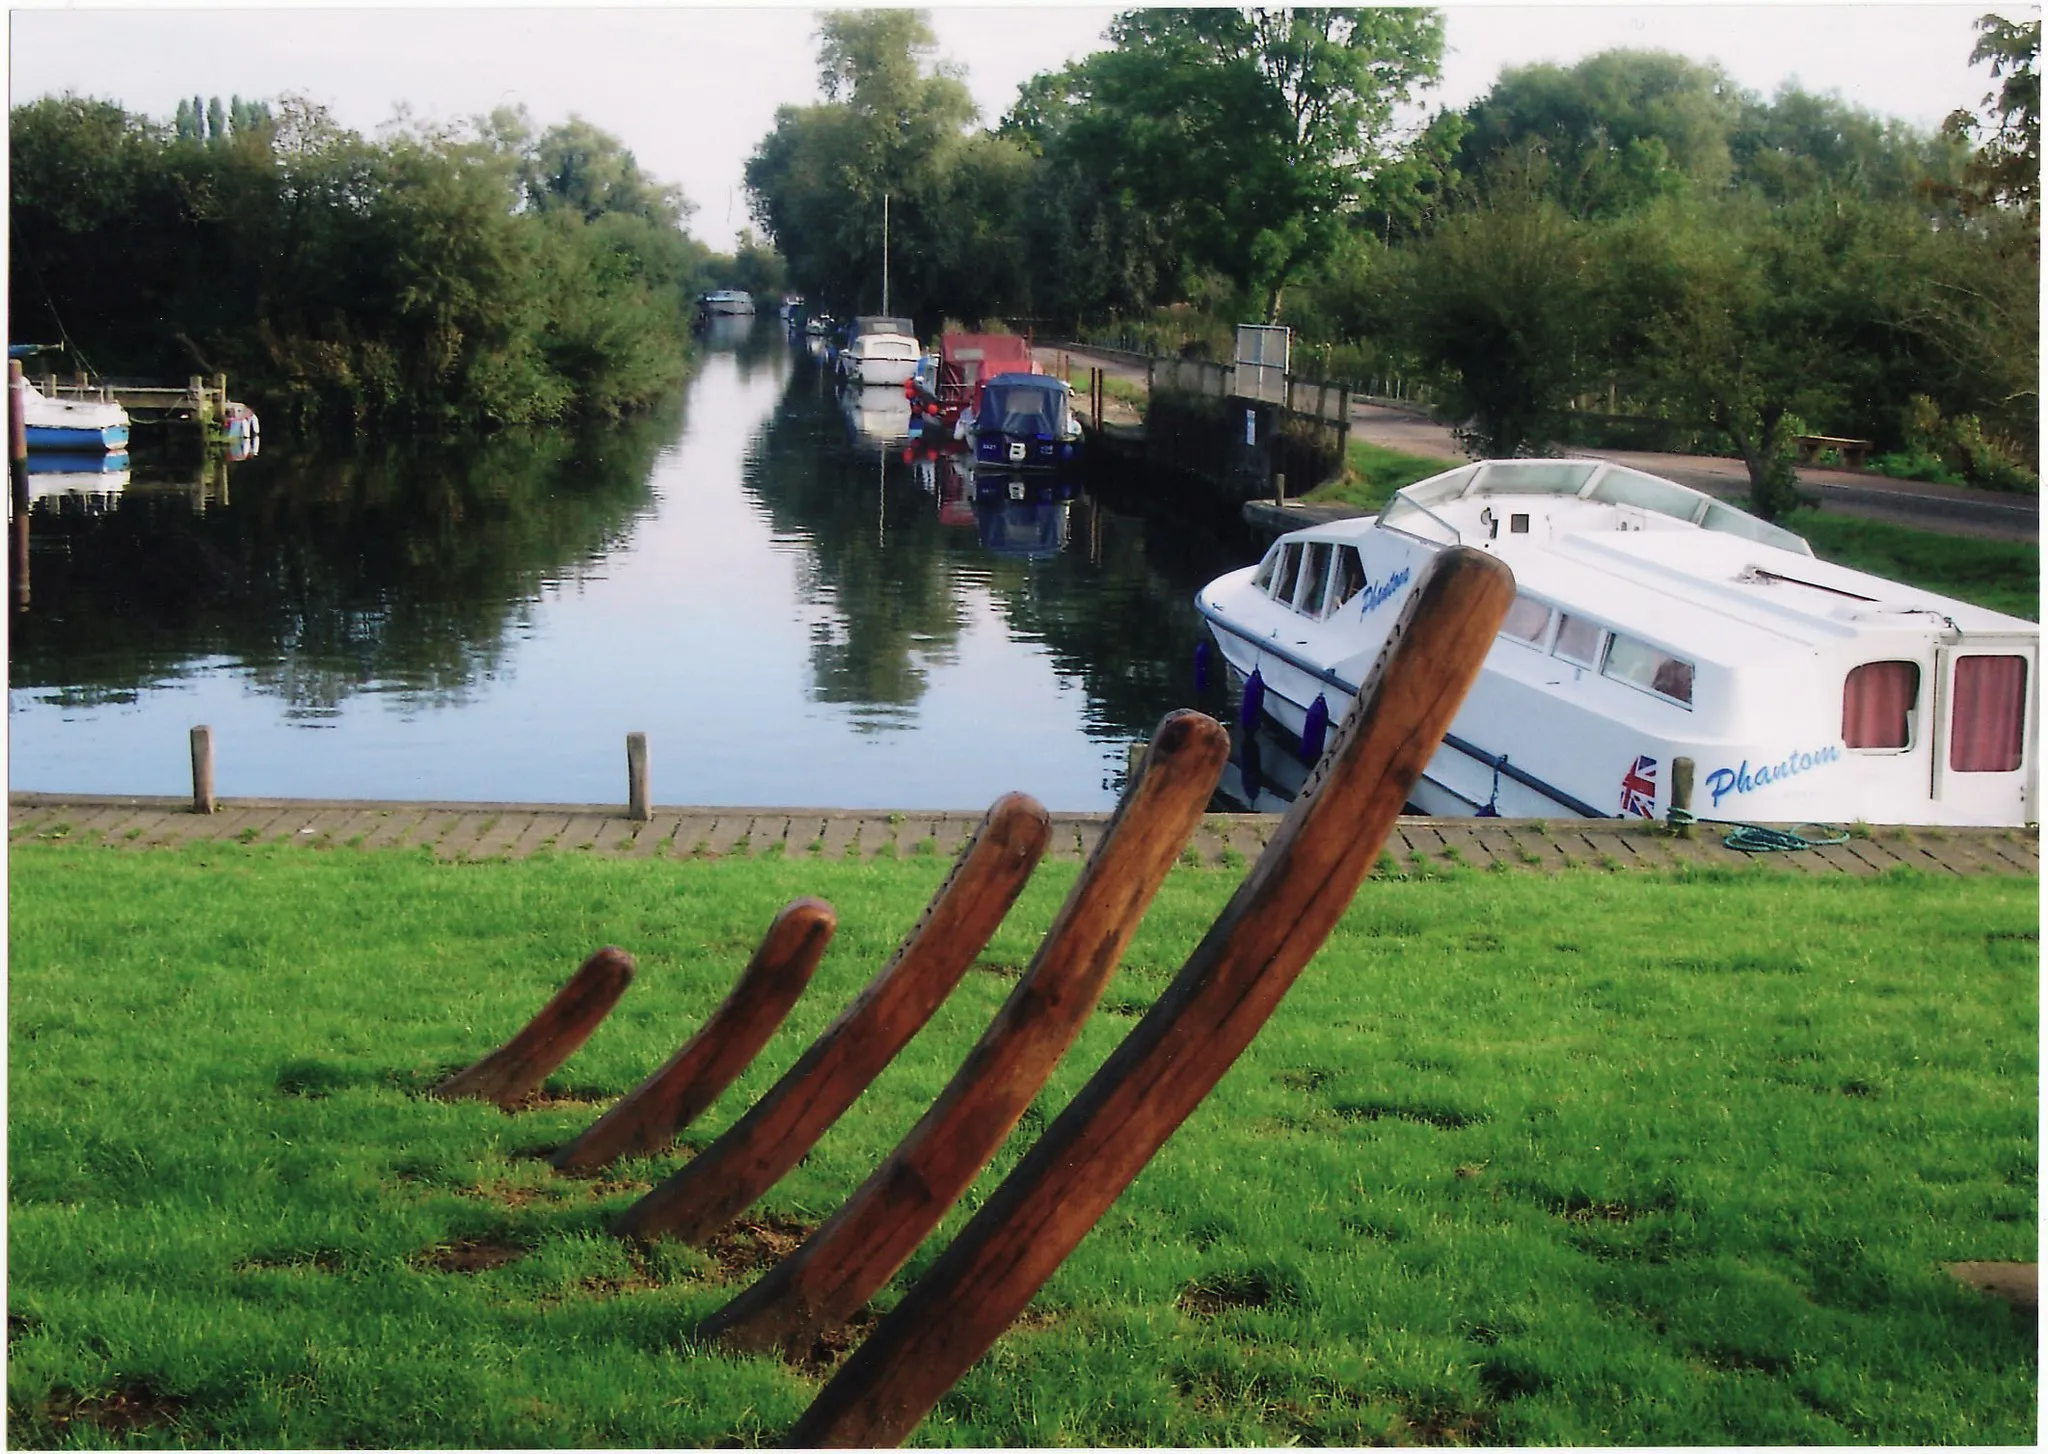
[{"x": 876, "y": 417}]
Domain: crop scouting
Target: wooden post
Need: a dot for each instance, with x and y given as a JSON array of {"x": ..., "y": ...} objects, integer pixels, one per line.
[
  {"x": 825, "y": 1281},
  {"x": 515, "y": 1070},
  {"x": 761, "y": 1147},
  {"x": 1280, "y": 487},
  {"x": 1232, "y": 982},
  {"x": 202, "y": 769},
  {"x": 17, "y": 475},
  {"x": 1681, "y": 796},
  {"x": 646, "y": 1121},
  {"x": 636, "y": 778}
]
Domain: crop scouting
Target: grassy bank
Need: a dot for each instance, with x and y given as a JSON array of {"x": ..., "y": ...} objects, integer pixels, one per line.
[
  {"x": 1590, "y": 1159},
  {"x": 1373, "y": 472},
  {"x": 2002, "y": 574}
]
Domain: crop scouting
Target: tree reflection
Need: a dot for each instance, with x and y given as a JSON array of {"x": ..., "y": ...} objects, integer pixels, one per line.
[
  {"x": 393, "y": 567},
  {"x": 879, "y": 562}
]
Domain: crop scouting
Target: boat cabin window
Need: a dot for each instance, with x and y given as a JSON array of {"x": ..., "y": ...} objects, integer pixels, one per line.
[
  {"x": 1350, "y": 578},
  {"x": 1877, "y": 706},
  {"x": 1315, "y": 576},
  {"x": 1262, "y": 578},
  {"x": 1527, "y": 620},
  {"x": 1289, "y": 572},
  {"x": 1650, "y": 667},
  {"x": 1988, "y": 723},
  {"x": 1579, "y": 641}
]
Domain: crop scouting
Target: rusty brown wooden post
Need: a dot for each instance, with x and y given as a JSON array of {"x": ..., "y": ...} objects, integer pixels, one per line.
[
  {"x": 648, "y": 1119},
  {"x": 202, "y": 769},
  {"x": 1231, "y": 983},
  {"x": 846, "y": 1261},
  {"x": 636, "y": 778},
  {"x": 515, "y": 1070},
  {"x": 759, "y": 1149}
]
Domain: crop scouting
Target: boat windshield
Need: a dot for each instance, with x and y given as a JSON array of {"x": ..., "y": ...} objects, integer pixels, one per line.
[
  {"x": 1404, "y": 514},
  {"x": 1534, "y": 476},
  {"x": 877, "y": 323},
  {"x": 1025, "y": 407}
]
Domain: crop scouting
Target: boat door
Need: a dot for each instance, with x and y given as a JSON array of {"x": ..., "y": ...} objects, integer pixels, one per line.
[{"x": 1986, "y": 766}]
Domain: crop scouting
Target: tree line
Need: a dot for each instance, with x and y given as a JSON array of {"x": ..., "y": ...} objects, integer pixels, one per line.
[
  {"x": 1633, "y": 235},
  {"x": 486, "y": 273}
]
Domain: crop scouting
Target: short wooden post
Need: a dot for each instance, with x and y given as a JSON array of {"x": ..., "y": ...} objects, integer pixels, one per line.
[
  {"x": 1280, "y": 487},
  {"x": 202, "y": 769},
  {"x": 636, "y": 777},
  {"x": 1681, "y": 796}
]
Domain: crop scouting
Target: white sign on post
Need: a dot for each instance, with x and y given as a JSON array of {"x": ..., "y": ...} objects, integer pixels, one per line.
[
  {"x": 1251, "y": 426},
  {"x": 1262, "y": 360}
]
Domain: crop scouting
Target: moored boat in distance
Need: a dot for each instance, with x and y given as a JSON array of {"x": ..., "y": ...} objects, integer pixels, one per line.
[
  {"x": 728, "y": 301},
  {"x": 880, "y": 350},
  {"x": 72, "y": 424},
  {"x": 1652, "y": 622}
]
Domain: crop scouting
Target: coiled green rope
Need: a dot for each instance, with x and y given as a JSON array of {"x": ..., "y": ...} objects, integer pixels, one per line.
[{"x": 1755, "y": 838}]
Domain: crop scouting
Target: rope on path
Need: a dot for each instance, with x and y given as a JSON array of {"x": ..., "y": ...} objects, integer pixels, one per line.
[{"x": 1755, "y": 838}]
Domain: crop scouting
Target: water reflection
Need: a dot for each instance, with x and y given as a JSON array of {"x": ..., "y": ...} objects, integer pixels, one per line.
[
  {"x": 392, "y": 568},
  {"x": 795, "y": 605}
]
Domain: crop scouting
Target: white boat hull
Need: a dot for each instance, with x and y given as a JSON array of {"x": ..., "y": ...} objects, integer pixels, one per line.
[{"x": 1769, "y": 642}]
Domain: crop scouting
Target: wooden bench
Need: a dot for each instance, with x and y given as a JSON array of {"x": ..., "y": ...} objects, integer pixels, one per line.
[{"x": 1852, "y": 451}]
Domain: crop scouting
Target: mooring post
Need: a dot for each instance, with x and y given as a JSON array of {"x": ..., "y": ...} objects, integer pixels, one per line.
[
  {"x": 17, "y": 475},
  {"x": 636, "y": 777},
  {"x": 1681, "y": 796},
  {"x": 1280, "y": 487},
  {"x": 202, "y": 769}
]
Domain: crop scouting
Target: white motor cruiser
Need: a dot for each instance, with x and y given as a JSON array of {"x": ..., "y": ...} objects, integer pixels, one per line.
[{"x": 1652, "y": 622}]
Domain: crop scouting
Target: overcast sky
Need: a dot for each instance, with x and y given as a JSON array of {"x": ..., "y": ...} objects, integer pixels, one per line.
[{"x": 692, "y": 90}]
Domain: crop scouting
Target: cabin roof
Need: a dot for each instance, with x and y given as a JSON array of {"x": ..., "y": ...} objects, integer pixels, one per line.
[{"x": 1714, "y": 595}]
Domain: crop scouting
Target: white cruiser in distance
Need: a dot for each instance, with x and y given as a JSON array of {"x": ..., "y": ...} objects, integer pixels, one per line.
[{"x": 1653, "y": 622}]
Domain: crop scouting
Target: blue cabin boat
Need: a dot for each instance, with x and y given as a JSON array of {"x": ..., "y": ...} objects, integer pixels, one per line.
[{"x": 1022, "y": 421}]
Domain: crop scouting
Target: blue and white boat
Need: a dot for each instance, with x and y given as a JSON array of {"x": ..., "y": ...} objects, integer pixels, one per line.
[
  {"x": 73, "y": 424},
  {"x": 1021, "y": 421},
  {"x": 1651, "y": 624}
]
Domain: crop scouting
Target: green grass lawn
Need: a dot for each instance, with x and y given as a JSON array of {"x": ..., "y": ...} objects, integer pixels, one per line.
[
  {"x": 2002, "y": 574},
  {"x": 1598, "y": 1158},
  {"x": 1372, "y": 473}
]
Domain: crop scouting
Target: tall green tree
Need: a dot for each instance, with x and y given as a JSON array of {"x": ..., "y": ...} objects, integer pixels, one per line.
[
  {"x": 893, "y": 125},
  {"x": 1246, "y": 134},
  {"x": 2006, "y": 170},
  {"x": 1502, "y": 302}
]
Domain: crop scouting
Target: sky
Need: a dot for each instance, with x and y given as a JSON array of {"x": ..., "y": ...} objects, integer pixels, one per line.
[{"x": 691, "y": 91}]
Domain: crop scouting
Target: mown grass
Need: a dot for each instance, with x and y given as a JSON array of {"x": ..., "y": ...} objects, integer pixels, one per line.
[
  {"x": 1587, "y": 1159},
  {"x": 2002, "y": 574},
  {"x": 1373, "y": 472}
]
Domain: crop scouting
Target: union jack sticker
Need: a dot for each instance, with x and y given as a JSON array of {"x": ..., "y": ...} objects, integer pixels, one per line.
[{"x": 1639, "y": 789}]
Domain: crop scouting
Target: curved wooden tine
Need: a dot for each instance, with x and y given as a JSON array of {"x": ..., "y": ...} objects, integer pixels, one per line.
[
  {"x": 648, "y": 1118},
  {"x": 1231, "y": 983},
  {"x": 842, "y": 1264},
  {"x": 515, "y": 1070},
  {"x": 760, "y": 1148}
]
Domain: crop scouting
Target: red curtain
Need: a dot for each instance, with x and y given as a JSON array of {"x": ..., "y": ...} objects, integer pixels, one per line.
[
  {"x": 1988, "y": 727},
  {"x": 1875, "y": 702}
]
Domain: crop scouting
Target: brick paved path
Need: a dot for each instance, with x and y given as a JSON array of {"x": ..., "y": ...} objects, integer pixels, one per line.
[{"x": 515, "y": 830}]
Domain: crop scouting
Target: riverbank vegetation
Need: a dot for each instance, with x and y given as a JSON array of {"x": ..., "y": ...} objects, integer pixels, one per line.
[
  {"x": 483, "y": 274},
  {"x": 1522, "y": 1159},
  {"x": 1631, "y": 249}
]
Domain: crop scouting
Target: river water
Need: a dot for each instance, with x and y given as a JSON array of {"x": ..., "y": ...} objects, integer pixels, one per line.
[{"x": 754, "y": 576}]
